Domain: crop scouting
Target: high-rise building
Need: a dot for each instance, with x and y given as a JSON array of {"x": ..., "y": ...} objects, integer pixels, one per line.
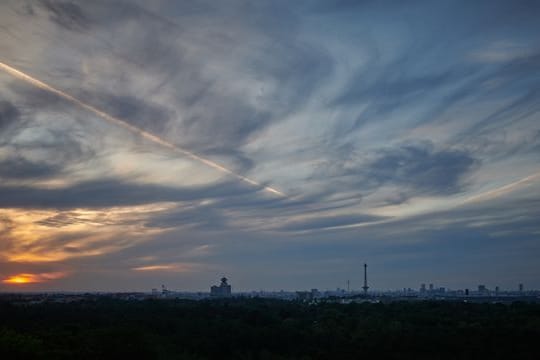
[
  {"x": 223, "y": 290},
  {"x": 520, "y": 287},
  {"x": 482, "y": 289},
  {"x": 164, "y": 290},
  {"x": 304, "y": 295},
  {"x": 431, "y": 287},
  {"x": 423, "y": 288}
]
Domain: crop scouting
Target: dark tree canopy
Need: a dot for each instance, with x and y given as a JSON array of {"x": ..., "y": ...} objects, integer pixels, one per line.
[{"x": 267, "y": 329}]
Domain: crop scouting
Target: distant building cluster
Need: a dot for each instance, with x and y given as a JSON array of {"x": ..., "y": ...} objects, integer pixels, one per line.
[
  {"x": 223, "y": 290},
  {"x": 432, "y": 289},
  {"x": 308, "y": 295},
  {"x": 481, "y": 290},
  {"x": 426, "y": 291}
]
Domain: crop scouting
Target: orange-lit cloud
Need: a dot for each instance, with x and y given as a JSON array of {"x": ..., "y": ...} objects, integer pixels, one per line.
[
  {"x": 26, "y": 278},
  {"x": 33, "y": 234},
  {"x": 183, "y": 267}
]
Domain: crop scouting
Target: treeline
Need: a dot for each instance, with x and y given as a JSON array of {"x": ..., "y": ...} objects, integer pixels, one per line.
[{"x": 268, "y": 329}]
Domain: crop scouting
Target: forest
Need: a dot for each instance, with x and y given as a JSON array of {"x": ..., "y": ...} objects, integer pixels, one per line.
[{"x": 267, "y": 329}]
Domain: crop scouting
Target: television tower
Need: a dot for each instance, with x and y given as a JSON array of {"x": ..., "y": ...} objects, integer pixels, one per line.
[{"x": 365, "y": 287}]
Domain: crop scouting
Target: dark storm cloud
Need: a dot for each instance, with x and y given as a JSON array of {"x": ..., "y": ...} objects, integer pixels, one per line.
[
  {"x": 37, "y": 157},
  {"x": 44, "y": 157},
  {"x": 64, "y": 146},
  {"x": 203, "y": 217},
  {"x": 67, "y": 14},
  {"x": 8, "y": 114},
  {"x": 106, "y": 193},
  {"x": 11, "y": 122},
  {"x": 416, "y": 168},
  {"x": 422, "y": 168},
  {"x": 20, "y": 168}
]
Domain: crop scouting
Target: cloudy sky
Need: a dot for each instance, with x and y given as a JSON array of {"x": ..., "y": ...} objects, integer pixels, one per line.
[{"x": 280, "y": 143}]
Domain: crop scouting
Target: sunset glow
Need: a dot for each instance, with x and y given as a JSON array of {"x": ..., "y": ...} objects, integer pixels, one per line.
[{"x": 21, "y": 279}]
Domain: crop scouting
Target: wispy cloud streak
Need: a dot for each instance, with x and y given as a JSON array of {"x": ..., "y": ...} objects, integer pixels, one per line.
[
  {"x": 500, "y": 191},
  {"x": 122, "y": 123}
]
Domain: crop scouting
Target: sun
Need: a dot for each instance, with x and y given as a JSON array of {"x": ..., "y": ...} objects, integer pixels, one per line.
[
  {"x": 20, "y": 279},
  {"x": 27, "y": 278}
]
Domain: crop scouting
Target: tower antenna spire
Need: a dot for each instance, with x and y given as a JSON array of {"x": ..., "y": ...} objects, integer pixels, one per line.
[{"x": 365, "y": 287}]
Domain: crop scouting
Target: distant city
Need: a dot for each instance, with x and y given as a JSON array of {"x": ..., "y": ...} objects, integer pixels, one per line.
[
  {"x": 224, "y": 290},
  {"x": 424, "y": 292}
]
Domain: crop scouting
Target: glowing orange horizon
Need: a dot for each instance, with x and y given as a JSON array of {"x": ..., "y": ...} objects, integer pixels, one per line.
[
  {"x": 27, "y": 278},
  {"x": 19, "y": 279}
]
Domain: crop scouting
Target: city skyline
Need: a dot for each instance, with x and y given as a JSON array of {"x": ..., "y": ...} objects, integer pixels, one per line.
[{"x": 284, "y": 144}]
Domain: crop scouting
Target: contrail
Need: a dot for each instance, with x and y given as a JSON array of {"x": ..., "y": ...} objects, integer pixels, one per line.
[
  {"x": 122, "y": 123},
  {"x": 492, "y": 194}
]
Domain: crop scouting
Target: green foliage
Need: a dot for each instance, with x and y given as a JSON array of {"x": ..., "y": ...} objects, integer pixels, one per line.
[
  {"x": 267, "y": 329},
  {"x": 14, "y": 345}
]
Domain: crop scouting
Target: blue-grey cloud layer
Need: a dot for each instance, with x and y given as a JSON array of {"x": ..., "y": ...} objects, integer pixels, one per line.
[{"x": 406, "y": 135}]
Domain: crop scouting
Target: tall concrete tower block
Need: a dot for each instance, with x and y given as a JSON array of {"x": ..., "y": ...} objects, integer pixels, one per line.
[
  {"x": 365, "y": 287},
  {"x": 223, "y": 290}
]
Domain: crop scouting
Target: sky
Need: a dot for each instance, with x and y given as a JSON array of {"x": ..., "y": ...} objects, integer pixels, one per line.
[{"x": 282, "y": 144}]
